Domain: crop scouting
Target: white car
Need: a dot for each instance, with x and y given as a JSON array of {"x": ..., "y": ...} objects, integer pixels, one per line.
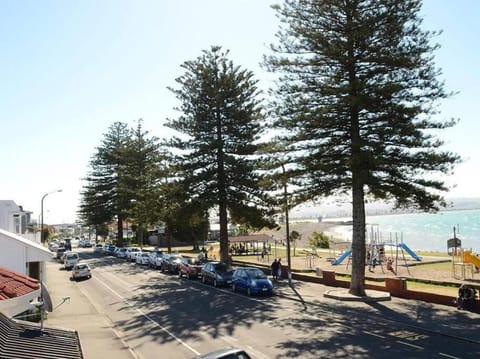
[
  {"x": 131, "y": 253},
  {"x": 142, "y": 258},
  {"x": 121, "y": 252},
  {"x": 81, "y": 270},
  {"x": 70, "y": 259},
  {"x": 151, "y": 258},
  {"x": 98, "y": 248},
  {"x": 158, "y": 261}
]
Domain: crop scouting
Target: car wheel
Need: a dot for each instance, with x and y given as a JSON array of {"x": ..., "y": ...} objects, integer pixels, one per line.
[
  {"x": 215, "y": 284},
  {"x": 249, "y": 291},
  {"x": 234, "y": 288}
]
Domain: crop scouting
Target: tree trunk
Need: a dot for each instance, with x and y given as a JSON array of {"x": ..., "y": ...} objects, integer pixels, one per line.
[
  {"x": 357, "y": 285},
  {"x": 223, "y": 233},
  {"x": 120, "y": 230}
]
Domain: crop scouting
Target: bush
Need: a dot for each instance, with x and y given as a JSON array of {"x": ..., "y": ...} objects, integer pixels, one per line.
[{"x": 319, "y": 240}]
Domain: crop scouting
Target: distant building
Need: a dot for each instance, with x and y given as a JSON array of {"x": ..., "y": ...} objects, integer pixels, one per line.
[{"x": 13, "y": 218}]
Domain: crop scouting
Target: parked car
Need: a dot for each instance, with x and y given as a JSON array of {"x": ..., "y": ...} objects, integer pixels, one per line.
[
  {"x": 109, "y": 249},
  {"x": 70, "y": 259},
  {"x": 152, "y": 257},
  {"x": 216, "y": 273},
  {"x": 158, "y": 261},
  {"x": 251, "y": 280},
  {"x": 121, "y": 252},
  {"x": 190, "y": 268},
  {"x": 142, "y": 258},
  {"x": 84, "y": 243},
  {"x": 226, "y": 353},
  {"x": 98, "y": 248},
  {"x": 53, "y": 245},
  {"x": 59, "y": 253},
  {"x": 170, "y": 263},
  {"x": 131, "y": 253},
  {"x": 81, "y": 270}
]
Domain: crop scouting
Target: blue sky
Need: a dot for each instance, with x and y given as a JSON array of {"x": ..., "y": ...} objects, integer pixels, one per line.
[{"x": 69, "y": 69}]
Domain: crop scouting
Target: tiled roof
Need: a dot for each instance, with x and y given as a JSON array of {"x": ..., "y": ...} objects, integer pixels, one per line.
[
  {"x": 14, "y": 284},
  {"x": 250, "y": 238},
  {"x": 24, "y": 340}
]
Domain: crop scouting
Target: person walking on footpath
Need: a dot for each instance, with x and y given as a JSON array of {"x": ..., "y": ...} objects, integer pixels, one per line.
[
  {"x": 279, "y": 270},
  {"x": 274, "y": 268}
]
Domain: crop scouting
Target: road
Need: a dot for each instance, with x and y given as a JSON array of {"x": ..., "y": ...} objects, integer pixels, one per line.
[{"x": 155, "y": 315}]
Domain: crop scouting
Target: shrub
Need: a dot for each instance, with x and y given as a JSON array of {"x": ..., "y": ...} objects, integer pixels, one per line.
[{"x": 319, "y": 240}]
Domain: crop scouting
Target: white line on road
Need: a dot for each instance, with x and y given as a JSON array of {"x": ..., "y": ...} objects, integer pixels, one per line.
[
  {"x": 411, "y": 345},
  {"x": 448, "y": 356},
  {"x": 374, "y": 334},
  {"x": 150, "y": 319}
]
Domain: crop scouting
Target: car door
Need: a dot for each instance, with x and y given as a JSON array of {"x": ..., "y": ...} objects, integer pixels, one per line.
[{"x": 240, "y": 279}]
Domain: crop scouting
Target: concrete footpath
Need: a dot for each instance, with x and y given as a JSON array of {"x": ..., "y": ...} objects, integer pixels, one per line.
[
  {"x": 97, "y": 333},
  {"x": 99, "y": 338},
  {"x": 447, "y": 320}
]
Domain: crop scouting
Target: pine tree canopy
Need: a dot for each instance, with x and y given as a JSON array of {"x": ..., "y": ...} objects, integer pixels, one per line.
[{"x": 357, "y": 93}]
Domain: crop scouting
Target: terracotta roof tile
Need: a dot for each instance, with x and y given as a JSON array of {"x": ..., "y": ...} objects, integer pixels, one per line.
[{"x": 14, "y": 284}]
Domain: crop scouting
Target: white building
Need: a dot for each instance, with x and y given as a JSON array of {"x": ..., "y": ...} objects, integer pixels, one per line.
[
  {"x": 22, "y": 255},
  {"x": 13, "y": 218}
]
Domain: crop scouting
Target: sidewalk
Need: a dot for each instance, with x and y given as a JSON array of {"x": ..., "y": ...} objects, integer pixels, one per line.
[
  {"x": 414, "y": 313},
  {"x": 98, "y": 337}
]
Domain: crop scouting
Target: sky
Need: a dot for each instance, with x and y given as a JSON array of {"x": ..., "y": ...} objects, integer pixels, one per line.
[{"x": 70, "y": 69}]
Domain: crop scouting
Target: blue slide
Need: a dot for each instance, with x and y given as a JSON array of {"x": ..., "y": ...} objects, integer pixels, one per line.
[
  {"x": 409, "y": 251},
  {"x": 342, "y": 257}
]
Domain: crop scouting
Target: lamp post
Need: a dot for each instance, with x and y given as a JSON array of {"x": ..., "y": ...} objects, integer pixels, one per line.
[
  {"x": 287, "y": 226},
  {"x": 42, "y": 236}
]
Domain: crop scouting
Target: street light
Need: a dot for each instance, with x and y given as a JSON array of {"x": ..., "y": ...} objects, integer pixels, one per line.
[
  {"x": 287, "y": 227},
  {"x": 42, "y": 236}
]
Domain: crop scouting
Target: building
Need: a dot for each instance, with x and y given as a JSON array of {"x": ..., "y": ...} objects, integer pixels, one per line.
[
  {"x": 22, "y": 255},
  {"x": 13, "y": 218}
]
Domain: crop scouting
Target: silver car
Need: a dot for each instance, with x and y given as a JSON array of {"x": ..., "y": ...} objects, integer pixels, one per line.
[{"x": 81, "y": 270}]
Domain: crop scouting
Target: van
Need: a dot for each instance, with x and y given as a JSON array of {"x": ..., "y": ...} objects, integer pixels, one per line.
[{"x": 71, "y": 258}]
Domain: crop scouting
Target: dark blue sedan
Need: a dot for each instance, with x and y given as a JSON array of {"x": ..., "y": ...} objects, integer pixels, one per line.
[{"x": 251, "y": 280}]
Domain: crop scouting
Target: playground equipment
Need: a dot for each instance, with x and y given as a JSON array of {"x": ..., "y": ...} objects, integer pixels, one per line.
[
  {"x": 463, "y": 260},
  {"x": 376, "y": 252}
]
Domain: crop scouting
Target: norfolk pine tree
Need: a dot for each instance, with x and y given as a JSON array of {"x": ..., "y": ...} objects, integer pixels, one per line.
[
  {"x": 220, "y": 124},
  {"x": 356, "y": 102}
]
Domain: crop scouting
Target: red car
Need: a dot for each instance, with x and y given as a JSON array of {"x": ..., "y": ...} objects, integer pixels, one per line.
[{"x": 190, "y": 268}]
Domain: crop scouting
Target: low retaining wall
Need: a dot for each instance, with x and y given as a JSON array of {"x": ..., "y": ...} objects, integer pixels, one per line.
[{"x": 397, "y": 287}]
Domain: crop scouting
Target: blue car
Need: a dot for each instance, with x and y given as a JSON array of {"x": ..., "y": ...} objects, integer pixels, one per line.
[{"x": 251, "y": 280}]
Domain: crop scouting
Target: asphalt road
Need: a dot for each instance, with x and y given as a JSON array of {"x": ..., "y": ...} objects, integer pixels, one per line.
[{"x": 155, "y": 315}]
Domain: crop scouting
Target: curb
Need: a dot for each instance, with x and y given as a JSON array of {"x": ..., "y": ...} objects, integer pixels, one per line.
[{"x": 344, "y": 295}]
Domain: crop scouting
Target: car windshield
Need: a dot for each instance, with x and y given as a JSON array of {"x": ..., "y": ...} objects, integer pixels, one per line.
[
  {"x": 256, "y": 274},
  {"x": 221, "y": 267},
  {"x": 82, "y": 266}
]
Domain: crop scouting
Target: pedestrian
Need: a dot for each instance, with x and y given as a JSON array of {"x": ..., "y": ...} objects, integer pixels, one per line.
[
  {"x": 279, "y": 263},
  {"x": 466, "y": 297},
  {"x": 274, "y": 268}
]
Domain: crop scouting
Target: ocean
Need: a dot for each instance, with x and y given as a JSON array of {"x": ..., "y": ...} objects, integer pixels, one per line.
[{"x": 425, "y": 231}]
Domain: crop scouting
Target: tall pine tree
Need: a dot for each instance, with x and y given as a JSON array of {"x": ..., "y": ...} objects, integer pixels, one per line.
[
  {"x": 356, "y": 99},
  {"x": 220, "y": 124}
]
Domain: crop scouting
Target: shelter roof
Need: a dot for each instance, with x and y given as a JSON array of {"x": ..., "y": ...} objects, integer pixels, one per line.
[
  {"x": 25, "y": 340},
  {"x": 251, "y": 238}
]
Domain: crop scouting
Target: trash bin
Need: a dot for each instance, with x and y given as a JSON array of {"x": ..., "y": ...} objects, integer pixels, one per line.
[{"x": 318, "y": 271}]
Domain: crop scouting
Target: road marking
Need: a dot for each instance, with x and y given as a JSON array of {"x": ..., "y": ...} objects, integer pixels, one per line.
[
  {"x": 374, "y": 334},
  {"x": 411, "y": 345},
  {"x": 448, "y": 356},
  {"x": 151, "y": 319}
]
